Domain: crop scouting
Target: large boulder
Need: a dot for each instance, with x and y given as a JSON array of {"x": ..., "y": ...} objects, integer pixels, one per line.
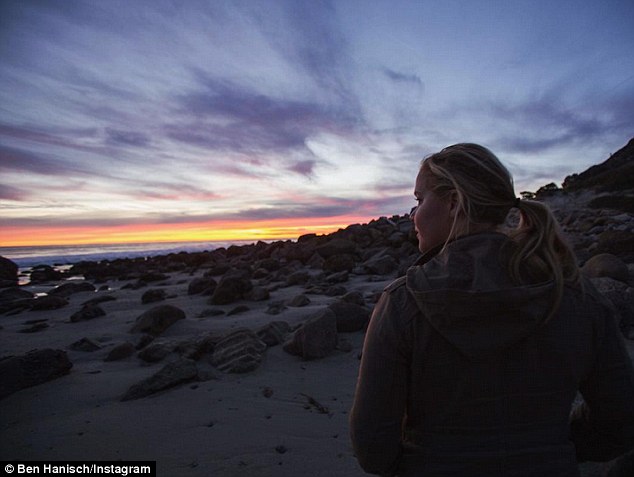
[
  {"x": 35, "y": 367},
  {"x": 8, "y": 273},
  {"x": 233, "y": 286},
  {"x": 316, "y": 338},
  {"x": 157, "y": 319}
]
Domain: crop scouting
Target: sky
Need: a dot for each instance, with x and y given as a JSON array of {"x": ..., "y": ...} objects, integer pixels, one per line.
[{"x": 136, "y": 121}]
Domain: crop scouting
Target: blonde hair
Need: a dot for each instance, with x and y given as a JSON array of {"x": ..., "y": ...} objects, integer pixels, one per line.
[{"x": 484, "y": 193}]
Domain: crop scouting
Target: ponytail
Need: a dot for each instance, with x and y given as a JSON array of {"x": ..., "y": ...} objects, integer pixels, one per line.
[{"x": 542, "y": 250}]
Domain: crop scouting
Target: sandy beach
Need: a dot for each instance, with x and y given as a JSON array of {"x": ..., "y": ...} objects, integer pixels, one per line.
[{"x": 288, "y": 417}]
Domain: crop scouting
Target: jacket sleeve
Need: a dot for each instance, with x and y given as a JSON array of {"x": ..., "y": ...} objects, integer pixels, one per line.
[
  {"x": 380, "y": 398},
  {"x": 602, "y": 427}
]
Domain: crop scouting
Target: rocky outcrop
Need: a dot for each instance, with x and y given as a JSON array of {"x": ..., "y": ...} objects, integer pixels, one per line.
[{"x": 35, "y": 367}]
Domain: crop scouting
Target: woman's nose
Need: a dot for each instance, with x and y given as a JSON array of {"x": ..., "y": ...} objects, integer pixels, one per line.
[{"x": 412, "y": 212}]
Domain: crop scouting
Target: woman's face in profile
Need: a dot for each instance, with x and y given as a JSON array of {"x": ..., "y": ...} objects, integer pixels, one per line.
[{"x": 433, "y": 216}]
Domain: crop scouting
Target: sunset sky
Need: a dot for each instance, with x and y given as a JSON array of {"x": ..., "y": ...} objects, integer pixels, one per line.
[{"x": 133, "y": 121}]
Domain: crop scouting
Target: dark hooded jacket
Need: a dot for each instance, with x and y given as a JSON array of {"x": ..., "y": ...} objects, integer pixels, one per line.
[{"x": 460, "y": 374}]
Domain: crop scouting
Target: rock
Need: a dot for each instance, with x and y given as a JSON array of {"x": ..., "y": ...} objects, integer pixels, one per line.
[
  {"x": 258, "y": 294},
  {"x": 14, "y": 299},
  {"x": 34, "y": 328},
  {"x": 99, "y": 299},
  {"x": 121, "y": 351},
  {"x": 87, "y": 313},
  {"x": 8, "y": 273},
  {"x": 336, "y": 247},
  {"x": 86, "y": 345},
  {"x": 153, "y": 295},
  {"x": 338, "y": 277},
  {"x": 150, "y": 277},
  {"x": 44, "y": 273},
  {"x": 202, "y": 285},
  {"x": 617, "y": 242},
  {"x": 339, "y": 263},
  {"x": 621, "y": 296},
  {"x": 355, "y": 297},
  {"x": 211, "y": 312},
  {"x": 350, "y": 316},
  {"x": 197, "y": 347},
  {"x": 44, "y": 303},
  {"x": 316, "y": 338},
  {"x": 299, "y": 277},
  {"x": 380, "y": 265},
  {"x": 606, "y": 265},
  {"x": 143, "y": 341},
  {"x": 172, "y": 374},
  {"x": 299, "y": 300},
  {"x": 238, "y": 352},
  {"x": 232, "y": 287},
  {"x": 156, "y": 351},
  {"x": 237, "y": 310},
  {"x": 35, "y": 367},
  {"x": 335, "y": 290},
  {"x": 158, "y": 319},
  {"x": 275, "y": 308},
  {"x": 70, "y": 288},
  {"x": 274, "y": 332}
]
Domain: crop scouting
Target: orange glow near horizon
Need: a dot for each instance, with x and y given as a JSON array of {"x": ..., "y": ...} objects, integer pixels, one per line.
[{"x": 275, "y": 229}]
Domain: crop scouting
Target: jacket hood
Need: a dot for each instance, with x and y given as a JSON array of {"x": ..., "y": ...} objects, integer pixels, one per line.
[{"x": 467, "y": 295}]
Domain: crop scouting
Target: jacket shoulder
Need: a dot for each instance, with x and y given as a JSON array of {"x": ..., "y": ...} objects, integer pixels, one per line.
[{"x": 399, "y": 282}]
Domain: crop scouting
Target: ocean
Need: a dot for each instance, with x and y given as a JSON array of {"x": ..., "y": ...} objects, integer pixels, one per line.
[{"x": 28, "y": 257}]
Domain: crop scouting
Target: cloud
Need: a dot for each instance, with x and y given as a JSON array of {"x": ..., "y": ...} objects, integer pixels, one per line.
[
  {"x": 304, "y": 168},
  {"x": 9, "y": 192},
  {"x": 224, "y": 116},
  {"x": 118, "y": 137},
  {"x": 402, "y": 77},
  {"x": 546, "y": 122},
  {"x": 12, "y": 159}
]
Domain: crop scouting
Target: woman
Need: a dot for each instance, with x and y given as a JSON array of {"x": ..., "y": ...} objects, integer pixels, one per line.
[{"x": 472, "y": 361}]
